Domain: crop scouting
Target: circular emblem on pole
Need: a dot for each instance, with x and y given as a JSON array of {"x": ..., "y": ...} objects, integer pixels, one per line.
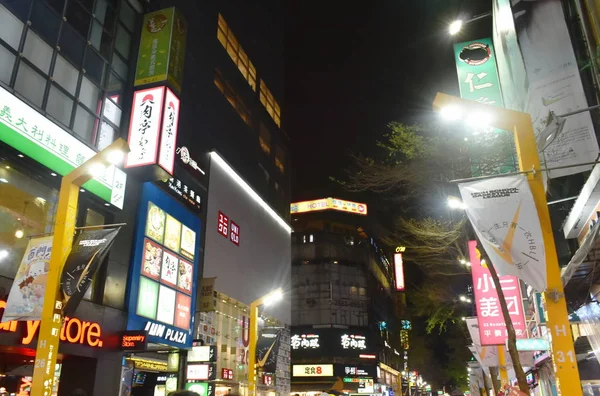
[{"x": 475, "y": 54}]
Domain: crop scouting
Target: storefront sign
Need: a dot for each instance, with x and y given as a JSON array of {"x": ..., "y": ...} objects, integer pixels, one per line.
[
  {"x": 34, "y": 135},
  {"x": 227, "y": 374},
  {"x": 201, "y": 372},
  {"x": 329, "y": 203},
  {"x": 205, "y": 353},
  {"x": 73, "y": 331},
  {"x": 207, "y": 295},
  {"x": 162, "y": 48},
  {"x": 228, "y": 228},
  {"x": 163, "y": 279},
  {"x": 353, "y": 341},
  {"x": 166, "y": 157},
  {"x": 312, "y": 370},
  {"x": 133, "y": 341},
  {"x": 399, "y": 271},
  {"x": 305, "y": 341},
  {"x": 153, "y": 365},
  {"x": 201, "y": 388},
  {"x": 358, "y": 371},
  {"x": 267, "y": 380},
  {"x": 185, "y": 193},
  {"x": 533, "y": 344}
]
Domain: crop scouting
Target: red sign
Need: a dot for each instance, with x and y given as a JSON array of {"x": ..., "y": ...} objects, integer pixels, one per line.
[
  {"x": 235, "y": 233},
  {"x": 223, "y": 225},
  {"x": 399, "y": 271},
  {"x": 227, "y": 374},
  {"x": 492, "y": 328},
  {"x": 267, "y": 379}
]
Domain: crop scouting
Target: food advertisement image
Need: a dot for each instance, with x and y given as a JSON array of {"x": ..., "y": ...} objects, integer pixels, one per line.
[
  {"x": 152, "y": 259},
  {"x": 166, "y": 305},
  {"x": 185, "y": 276},
  {"x": 188, "y": 242},
  {"x": 173, "y": 234},
  {"x": 170, "y": 267},
  {"x": 155, "y": 226}
]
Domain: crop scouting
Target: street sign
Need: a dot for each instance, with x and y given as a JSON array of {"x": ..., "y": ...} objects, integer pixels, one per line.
[{"x": 532, "y": 344}]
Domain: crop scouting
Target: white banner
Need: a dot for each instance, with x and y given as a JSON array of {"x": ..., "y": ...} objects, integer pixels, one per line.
[
  {"x": 26, "y": 297},
  {"x": 503, "y": 213}
]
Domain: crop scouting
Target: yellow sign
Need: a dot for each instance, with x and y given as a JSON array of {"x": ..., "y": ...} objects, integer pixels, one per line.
[
  {"x": 154, "y": 365},
  {"x": 312, "y": 370},
  {"x": 329, "y": 203}
]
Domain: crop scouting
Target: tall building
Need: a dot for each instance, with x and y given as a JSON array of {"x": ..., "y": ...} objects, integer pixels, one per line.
[
  {"x": 197, "y": 92},
  {"x": 344, "y": 327}
]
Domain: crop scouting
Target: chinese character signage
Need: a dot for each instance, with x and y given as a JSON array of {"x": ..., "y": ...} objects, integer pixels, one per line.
[
  {"x": 153, "y": 129},
  {"x": 492, "y": 327},
  {"x": 202, "y": 353},
  {"x": 312, "y": 370},
  {"x": 34, "y": 135},
  {"x": 308, "y": 342},
  {"x": 477, "y": 74},
  {"x": 329, "y": 204},
  {"x": 228, "y": 228},
  {"x": 163, "y": 278},
  {"x": 227, "y": 374},
  {"x": 305, "y": 341},
  {"x": 201, "y": 372},
  {"x": 353, "y": 341},
  {"x": 162, "y": 48},
  {"x": 399, "y": 271},
  {"x": 184, "y": 192},
  {"x": 504, "y": 216}
]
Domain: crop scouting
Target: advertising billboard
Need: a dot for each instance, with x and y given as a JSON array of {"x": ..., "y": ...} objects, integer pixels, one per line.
[
  {"x": 163, "y": 272},
  {"x": 313, "y": 343},
  {"x": 248, "y": 245},
  {"x": 329, "y": 204}
]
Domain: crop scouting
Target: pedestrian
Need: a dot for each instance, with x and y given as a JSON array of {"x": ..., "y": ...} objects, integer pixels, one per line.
[{"x": 183, "y": 393}]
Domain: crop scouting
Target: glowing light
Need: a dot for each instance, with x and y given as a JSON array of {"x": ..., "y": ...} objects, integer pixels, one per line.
[
  {"x": 455, "y": 27},
  {"x": 451, "y": 113},
  {"x": 97, "y": 170},
  {"x": 19, "y": 234},
  {"x": 455, "y": 203},
  {"x": 3, "y": 180},
  {"x": 3, "y": 254},
  {"x": 272, "y": 298},
  {"x": 116, "y": 157},
  {"x": 479, "y": 119}
]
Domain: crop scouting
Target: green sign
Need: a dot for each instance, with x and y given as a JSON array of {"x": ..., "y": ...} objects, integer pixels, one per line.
[
  {"x": 162, "y": 48},
  {"x": 532, "y": 344},
  {"x": 34, "y": 135},
  {"x": 200, "y": 388}
]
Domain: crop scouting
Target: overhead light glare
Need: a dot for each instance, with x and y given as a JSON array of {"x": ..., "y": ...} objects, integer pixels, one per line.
[
  {"x": 455, "y": 27},
  {"x": 451, "y": 113}
]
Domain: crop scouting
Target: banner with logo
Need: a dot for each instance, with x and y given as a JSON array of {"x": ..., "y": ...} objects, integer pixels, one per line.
[
  {"x": 503, "y": 214},
  {"x": 490, "y": 319},
  {"x": 267, "y": 349},
  {"x": 207, "y": 298},
  {"x": 26, "y": 297},
  {"x": 84, "y": 260}
]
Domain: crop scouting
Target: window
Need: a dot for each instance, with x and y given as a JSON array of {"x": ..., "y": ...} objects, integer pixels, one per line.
[
  {"x": 311, "y": 238},
  {"x": 232, "y": 97},
  {"x": 353, "y": 290},
  {"x": 265, "y": 173},
  {"x": 267, "y": 100},
  {"x": 236, "y": 53},
  {"x": 264, "y": 139},
  {"x": 279, "y": 158}
]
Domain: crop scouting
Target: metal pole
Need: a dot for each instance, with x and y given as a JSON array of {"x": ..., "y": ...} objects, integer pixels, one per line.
[
  {"x": 252, "y": 348},
  {"x": 502, "y": 366}
]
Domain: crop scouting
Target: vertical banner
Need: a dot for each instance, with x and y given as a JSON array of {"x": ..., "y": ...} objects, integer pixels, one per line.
[
  {"x": 88, "y": 253},
  {"x": 207, "y": 299},
  {"x": 267, "y": 349},
  {"x": 26, "y": 297},
  {"x": 503, "y": 214},
  {"x": 492, "y": 326}
]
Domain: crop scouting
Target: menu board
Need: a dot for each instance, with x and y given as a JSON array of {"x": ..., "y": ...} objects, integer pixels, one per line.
[{"x": 166, "y": 274}]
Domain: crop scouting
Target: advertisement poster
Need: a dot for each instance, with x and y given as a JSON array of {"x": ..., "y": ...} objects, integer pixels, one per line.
[
  {"x": 207, "y": 298},
  {"x": 554, "y": 83},
  {"x": 504, "y": 216},
  {"x": 26, "y": 296}
]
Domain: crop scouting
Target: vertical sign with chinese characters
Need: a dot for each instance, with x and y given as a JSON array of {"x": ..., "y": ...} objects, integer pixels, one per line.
[
  {"x": 492, "y": 327},
  {"x": 399, "y": 271},
  {"x": 223, "y": 225},
  {"x": 228, "y": 228},
  {"x": 166, "y": 156},
  {"x": 144, "y": 127}
]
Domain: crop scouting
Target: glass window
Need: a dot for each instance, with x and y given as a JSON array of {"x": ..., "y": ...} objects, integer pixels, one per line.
[
  {"x": 127, "y": 15},
  {"x": 27, "y": 208},
  {"x": 264, "y": 139},
  {"x": 85, "y": 124},
  {"x": 45, "y": 21},
  {"x": 235, "y": 51},
  {"x": 94, "y": 66},
  {"x": 30, "y": 84},
  {"x": 20, "y": 8},
  {"x": 112, "y": 112},
  {"x": 78, "y": 17},
  {"x": 279, "y": 158},
  {"x": 123, "y": 41},
  {"x": 106, "y": 136},
  {"x": 7, "y": 62},
  {"x": 119, "y": 66},
  {"x": 269, "y": 102},
  {"x": 101, "y": 40},
  {"x": 71, "y": 44},
  {"x": 65, "y": 75},
  {"x": 90, "y": 95},
  {"x": 59, "y": 106},
  {"x": 58, "y": 5},
  {"x": 37, "y": 51},
  {"x": 105, "y": 14},
  {"x": 88, "y": 4},
  {"x": 114, "y": 84},
  {"x": 11, "y": 28}
]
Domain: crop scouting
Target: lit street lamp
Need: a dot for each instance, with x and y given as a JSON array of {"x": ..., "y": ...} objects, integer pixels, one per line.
[
  {"x": 266, "y": 300},
  {"x": 456, "y": 26},
  {"x": 456, "y": 203}
]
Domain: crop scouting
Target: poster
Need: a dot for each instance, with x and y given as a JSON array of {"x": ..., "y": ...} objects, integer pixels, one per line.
[
  {"x": 26, "y": 297},
  {"x": 207, "y": 299},
  {"x": 172, "y": 234},
  {"x": 155, "y": 225}
]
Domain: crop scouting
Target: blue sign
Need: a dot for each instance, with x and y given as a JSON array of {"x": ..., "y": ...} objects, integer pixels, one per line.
[{"x": 162, "y": 280}]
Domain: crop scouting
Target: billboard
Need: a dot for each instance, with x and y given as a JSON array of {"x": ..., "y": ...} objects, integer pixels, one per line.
[
  {"x": 248, "y": 245},
  {"x": 329, "y": 204},
  {"x": 309, "y": 342},
  {"x": 399, "y": 271},
  {"x": 162, "y": 281}
]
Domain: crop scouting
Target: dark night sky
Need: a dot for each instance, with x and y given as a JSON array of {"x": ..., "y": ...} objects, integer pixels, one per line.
[{"x": 352, "y": 68}]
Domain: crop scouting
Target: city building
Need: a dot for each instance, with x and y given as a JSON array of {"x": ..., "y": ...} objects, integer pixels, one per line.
[{"x": 344, "y": 326}]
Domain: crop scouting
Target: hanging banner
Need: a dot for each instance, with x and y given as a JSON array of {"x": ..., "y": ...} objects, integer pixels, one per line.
[
  {"x": 207, "y": 298},
  {"x": 503, "y": 214},
  {"x": 88, "y": 252},
  {"x": 490, "y": 320},
  {"x": 26, "y": 297}
]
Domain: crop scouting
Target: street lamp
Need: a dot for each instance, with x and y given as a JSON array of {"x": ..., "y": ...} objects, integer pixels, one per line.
[
  {"x": 62, "y": 241},
  {"x": 456, "y": 26},
  {"x": 563, "y": 353},
  {"x": 266, "y": 300},
  {"x": 456, "y": 203}
]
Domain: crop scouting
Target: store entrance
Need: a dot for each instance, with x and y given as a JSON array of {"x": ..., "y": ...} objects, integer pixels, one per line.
[
  {"x": 146, "y": 383},
  {"x": 152, "y": 373}
]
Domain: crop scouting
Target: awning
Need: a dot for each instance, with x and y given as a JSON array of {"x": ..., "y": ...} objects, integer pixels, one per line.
[{"x": 584, "y": 259}]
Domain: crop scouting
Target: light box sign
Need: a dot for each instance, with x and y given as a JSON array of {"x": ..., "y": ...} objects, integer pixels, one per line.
[
  {"x": 153, "y": 129},
  {"x": 533, "y": 344},
  {"x": 201, "y": 372},
  {"x": 328, "y": 204},
  {"x": 305, "y": 341},
  {"x": 163, "y": 279},
  {"x": 34, "y": 135},
  {"x": 399, "y": 271},
  {"x": 312, "y": 370},
  {"x": 309, "y": 343},
  {"x": 204, "y": 353}
]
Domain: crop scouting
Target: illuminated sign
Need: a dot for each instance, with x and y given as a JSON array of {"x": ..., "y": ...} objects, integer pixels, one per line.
[
  {"x": 399, "y": 271},
  {"x": 358, "y": 371},
  {"x": 153, "y": 365},
  {"x": 184, "y": 192},
  {"x": 353, "y": 341},
  {"x": 366, "y": 385},
  {"x": 532, "y": 344},
  {"x": 227, "y": 374},
  {"x": 328, "y": 203},
  {"x": 200, "y": 372},
  {"x": 133, "y": 340},
  {"x": 223, "y": 225},
  {"x": 73, "y": 331},
  {"x": 312, "y": 370},
  {"x": 305, "y": 341},
  {"x": 228, "y": 228},
  {"x": 367, "y": 356},
  {"x": 166, "y": 156},
  {"x": 204, "y": 353},
  {"x": 201, "y": 388},
  {"x": 186, "y": 158},
  {"x": 267, "y": 380}
]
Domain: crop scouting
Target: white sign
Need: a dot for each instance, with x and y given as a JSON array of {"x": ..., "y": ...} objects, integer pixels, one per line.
[
  {"x": 166, "y": 333},
  {"x": 197, "y": 372},
  {"x": 312, "y": 370},
  {"x": 353, "y": 341},
  {"x": 144, "y": 126},
  {"x": 305, "y": 341},
  {"x": 166, "y": 156},
  {"x": 503, "y": 213},
  {"x": 201, "y": 354}
]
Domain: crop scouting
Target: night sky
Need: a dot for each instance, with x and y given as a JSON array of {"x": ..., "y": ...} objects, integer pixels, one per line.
[{"x": 352, "y": 67}]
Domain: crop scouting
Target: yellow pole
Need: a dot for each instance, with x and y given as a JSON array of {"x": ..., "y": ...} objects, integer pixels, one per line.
[
  {"x": 64, "y": 229},
  {"x": 502, "y": 366},
  {"x": 252, "y": 347},
  {"x": 557, "y": 319}
]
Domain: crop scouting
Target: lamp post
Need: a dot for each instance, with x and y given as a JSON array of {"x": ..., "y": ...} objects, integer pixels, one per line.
[
  {"x": 563, "y": 353},
  {"x": 456, "y": 26},
  {"x": 64, "y": 228},
  {"x": 268, "y": 299}
]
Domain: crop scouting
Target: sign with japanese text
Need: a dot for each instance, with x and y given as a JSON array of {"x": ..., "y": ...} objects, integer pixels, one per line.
[
  {"x": 308, "y": 342},
  {"x": 201, "y": 371},
  {"x": 312, "y": 370},
  {"x": 504, "y": 216},
  {"x": 36, "y": 136},
  {"x": 399, "y": 271},
  {"x": 162, "y": 48},
  {"x": 267, "y": 379},
  {"x": 202, "y": 353},
  {"x": 144, "y": 127},
  {"x": 184, "y": 192},
  {"x": 234, "y": 235},
  {"x": 227, "y": 374},
  {"x": 305, "y": 341},
  {"x": 223, "y": 225},
  {"x": 329, "y": 203},
  {"x": 228, "y": 228},
  {"x": 168, "y": 140},
  {"x": 353, "y": 341},
  {"x": 492, "y": 327}
]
